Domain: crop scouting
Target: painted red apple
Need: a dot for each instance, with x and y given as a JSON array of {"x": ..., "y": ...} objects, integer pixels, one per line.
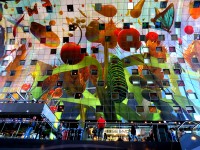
[
  {"x": 26, "y": 86},
  {"x": 125, "y": 42},
  {"x": 71, "y": 53}
]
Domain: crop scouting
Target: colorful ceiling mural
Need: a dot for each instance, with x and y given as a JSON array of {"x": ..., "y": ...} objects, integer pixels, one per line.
[{"x": 124, "y": 59}]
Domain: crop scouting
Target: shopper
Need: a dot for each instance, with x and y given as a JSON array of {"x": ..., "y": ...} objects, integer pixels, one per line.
[
  {"x": 173, "y": 135},
  {"x": 151, "y": 136},
  {"x": 94, "y": 132},
  {"x": 30, "y": 128},
  {"x": 133, "y": 133},
  {"x": 41, "y": 129},
  {"x": 105, "y": 137},
  {"x": 59, "y": 131},
  {"x": 101, "y": 123}
]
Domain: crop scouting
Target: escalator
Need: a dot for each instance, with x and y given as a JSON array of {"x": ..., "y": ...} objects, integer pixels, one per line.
[{"x": 161, "y": 133}]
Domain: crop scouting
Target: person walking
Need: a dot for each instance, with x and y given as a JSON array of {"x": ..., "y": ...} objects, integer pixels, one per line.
[
  {"x": 101, "y": 123},
  {"x": 30, "y": 128},
  {"x": 133, "y": 133},
  {"x": 41, "y": 128}
]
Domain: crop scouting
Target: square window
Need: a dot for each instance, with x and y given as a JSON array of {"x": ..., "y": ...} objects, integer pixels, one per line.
[
  {"x": 196, "y": 4},
  {"x": 71, "y": 27},
  {"x": 134, "y": 71},
  {"x": 49, "y": 9},
  {"x": 142, "y": 37},
  {"x": 74, "y": 72},
  {"x": 172, "y": 49},
  {"x": 9, "y": 29},
  {"x": 49, "y": 72},
  {"x": 166, "y": 71},
  {"x": 145, "y": 72},
  {"x": 8, "y": 52},
  {"x": 4, "y": 62},
  {"x": 177, "y": 66},
  {"x": 195, "y": 60},
  {"x": 145, "y": 25},
  {"x": 147, "y": 61},
  {"x": 130, "y": 5},
  {"x": 152, "y": 109},
  {"x": 150, "y": 82},
  {"x": 140, "y": 109},
  {"x": 70, "y": 8},
  {"x": 61, "y": 108},
  {"x": 23, "y": 41},
  {"x": 39, "y": 84},
  {"x": 94, "y": 72},
  {"x": 26, "y": 28},
  {"x": 130, "y": 96},
  {"x": 78, "y": 95},
  {"x": 157, "y": 25},
  {"x": 169, "y": 95},
  {"x": 114, "y": 60},
  {"x": 95, "y": 50},
  {"x": 98, "y": 6},
  {"x": 83, "y": 50},
  {"x": 19, "y": 52},
  {"x": 177, "y": 71},
  {"x": 161, "y": 60},
  {"x": 22, "y": 62},
  {"x": 101, "y": 26},
  {"x": 8, "y": 84},
  {"x": 126, "y": 26},
  {"x": 163, "y": 4},
  {"x": 181, "y": 60},
  {"x": 59, "y": 83},
  {"x": 107, "y": 38},
  {"x": 53, "y": 51},
  {"x": 192, "y": 96},
  {"x": 99, "y": 108},
  {"x": 190, "y": 109},
  {"x": 100, "y": 83},
  {"x": 158, "y": 49},
  {"x": 177, "y": 109},
  {"x": 12, "y": 72},
  {"x": 165, "y": 83},
  {"x": 161, "y": 37},
  {"x": 42, "y": 40},
  {"x": 8, "y": 96},
  {"x": 114, "y": 95},
  {"x": 33, "y": 62},
  {"x": 48, "y": 28},
  {"x": 174, "y": 37},
  {"x": 129, "y": 38},
  {"x": 127, "y": 61},
  {"x": 3, "y": 73},
  {"x": 19, "y": 10},
  {"x": 145, "y": 50},
  {"x": 196, "y": 37},
  {"x": 65, "y": 39},
  {"x": 132, "y": 50},
  {"x": 180, "y": 83},
  {"x": 12, "y": 41},
  {"x": 177, "y": 24},
  {"x": 135, "y": 80},
  {"x": 153, "y": 96}
]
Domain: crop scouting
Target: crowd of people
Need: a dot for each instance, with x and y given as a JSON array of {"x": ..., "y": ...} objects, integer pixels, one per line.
[{"x": 37, "y": 130}]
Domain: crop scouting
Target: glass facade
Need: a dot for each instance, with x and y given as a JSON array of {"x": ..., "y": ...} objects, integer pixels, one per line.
[{"x": 124, "y": 60}]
